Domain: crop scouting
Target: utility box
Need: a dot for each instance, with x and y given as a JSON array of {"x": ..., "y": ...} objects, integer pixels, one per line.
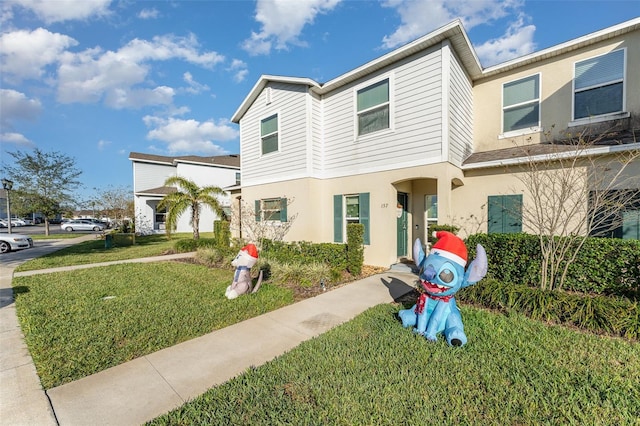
[{"x": 108, "y": 241}]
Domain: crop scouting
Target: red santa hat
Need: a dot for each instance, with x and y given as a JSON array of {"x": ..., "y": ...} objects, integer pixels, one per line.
[
  {"x": 251, "y": 250},
  {"x": 451, "y": 247}
]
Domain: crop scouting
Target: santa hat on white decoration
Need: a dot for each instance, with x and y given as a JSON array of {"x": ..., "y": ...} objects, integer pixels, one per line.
[
  {"x": 450, "y": 246},
  {"x": 250, "y": 252}
]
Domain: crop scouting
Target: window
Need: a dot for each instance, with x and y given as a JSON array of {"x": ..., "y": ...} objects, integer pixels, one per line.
[
  {"x": 373, "y": 108},
  {"x": 599, "y": 85},
  {"x": 269, "y": 134},
  {"x": 505, "y": 214},
  {"x": 273, "y": 209},
  {"x": 237, "y": 178},
  {"x": 352, "y": 208},
  {"x": 430, "y": 211},
  {"x": 521, "y": 104},
  {"x": 631, "y": 225}
]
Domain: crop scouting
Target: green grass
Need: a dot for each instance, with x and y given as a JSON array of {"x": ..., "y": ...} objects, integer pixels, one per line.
[
  {"x": 66, "y": 236},
  {"x": 80, "y": 322},
  {"x": 372, "y": 371},
  {"x": 94, "y": 251}
]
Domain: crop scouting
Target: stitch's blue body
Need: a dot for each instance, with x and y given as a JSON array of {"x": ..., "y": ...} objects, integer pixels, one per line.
[{"x": 441, "y": 278}]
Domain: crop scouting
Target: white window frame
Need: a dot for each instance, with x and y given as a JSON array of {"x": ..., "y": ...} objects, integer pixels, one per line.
[
  {"x": 538, "y": 100},
  {"x": 623, "y": 113},
  {"x": 277, "y": 133},
  {"x": 349, "y": 219},
  {"x": 267, "y": 215},
  {"x": 389, "y": 103}
]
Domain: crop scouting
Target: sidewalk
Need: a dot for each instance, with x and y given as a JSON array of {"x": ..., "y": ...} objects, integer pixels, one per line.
[{"x": 142, "y": 389}]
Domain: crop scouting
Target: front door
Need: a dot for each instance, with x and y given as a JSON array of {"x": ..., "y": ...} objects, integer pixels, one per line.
[{"x": 401, "y": 224}]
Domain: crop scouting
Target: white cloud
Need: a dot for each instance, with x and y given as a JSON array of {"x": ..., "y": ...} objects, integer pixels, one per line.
[
  {"x": 102, "y": 144},
  {"x": 25, "y": 54},
  {"x": 90, "y": 75},
  {"x": 239, "y": 68},
  {"x": 152, "y": 13},
  {"x": 16, "y": 139},
  {"x": 194, "y": 86},
  {"x": 419, "y": 17},
  {"x": 282, "y": 22},
  {"x": 63, "y": 10},
  {"x": 517, "y": 41},
  {"x": 16, "y": 106},
  {"x": 190, "y": 136}
]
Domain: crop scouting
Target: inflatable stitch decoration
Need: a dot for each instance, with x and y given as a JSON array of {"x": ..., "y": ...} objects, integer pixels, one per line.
[
  {"x": 441, "y": 275},
  {"x": 242, "y": 284}
]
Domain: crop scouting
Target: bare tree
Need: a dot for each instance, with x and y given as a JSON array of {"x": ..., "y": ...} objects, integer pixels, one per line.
[
  {"x": 115, "y": 202},
  {"x": 259, "y": 230},
  {"x": 573, "y": 191}
]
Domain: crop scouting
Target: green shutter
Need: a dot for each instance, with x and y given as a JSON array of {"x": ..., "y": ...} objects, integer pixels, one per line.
[
  {"x": 337, "y": 218},
  {"x": 257, "y": 203},
  {"x": 512, "y": 205},
  {"x": 364, "y": 215},
  {"x": 283, "y": 209},
  {"x": 494, "y": 211},
  {"x": 631, "y": 225},
  {"x": 504, "y": 214}
]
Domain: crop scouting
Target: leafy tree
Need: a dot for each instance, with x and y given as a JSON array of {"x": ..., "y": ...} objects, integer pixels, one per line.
[
  {"x": 192, "y": 198},
  {"x": 44, "y": 181},
  {"x": 115, "y": 202}
]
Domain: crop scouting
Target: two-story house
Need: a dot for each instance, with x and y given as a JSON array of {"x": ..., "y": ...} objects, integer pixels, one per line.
[
  {"x": 423, "y": 135},
  {"x": 151, "y": 171}
]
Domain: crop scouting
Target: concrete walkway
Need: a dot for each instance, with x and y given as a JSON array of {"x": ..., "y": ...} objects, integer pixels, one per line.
[{"x": 142, "y": 389}]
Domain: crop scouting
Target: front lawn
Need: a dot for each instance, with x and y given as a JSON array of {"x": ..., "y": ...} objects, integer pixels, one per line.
[
  {"x": 80, "y": 322},
  {"x": 95, "y": 251},
  {"x": 371, "y": 371}
]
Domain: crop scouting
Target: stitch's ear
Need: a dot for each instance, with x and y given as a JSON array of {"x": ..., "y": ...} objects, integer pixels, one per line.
[
  {"x": 478, "y": 268},
  {"x": 418, "y": 253}
]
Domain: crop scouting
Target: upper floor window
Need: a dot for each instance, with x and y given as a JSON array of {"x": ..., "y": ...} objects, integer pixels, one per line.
[
  {"x": 269, "y": 134},
  {"x": 373, "y": 107},
  {"x": 521, "y": 104},
  {"x": 599, "y": 85},
  {"x": 237, "y": 178}
]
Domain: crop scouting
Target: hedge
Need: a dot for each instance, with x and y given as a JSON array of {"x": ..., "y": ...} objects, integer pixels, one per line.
[{"x": 603, "y": 266}]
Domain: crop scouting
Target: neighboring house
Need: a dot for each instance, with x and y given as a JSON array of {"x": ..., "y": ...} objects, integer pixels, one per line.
[
  {"x": 151, "y": 171},
  {"x": 423, "y": 135}
]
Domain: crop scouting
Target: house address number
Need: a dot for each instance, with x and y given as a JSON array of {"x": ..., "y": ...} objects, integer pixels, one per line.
[{"x": 384, "y": 205}]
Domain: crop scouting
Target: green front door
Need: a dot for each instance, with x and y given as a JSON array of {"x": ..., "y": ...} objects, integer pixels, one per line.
[{"x": 401, "y": 224}]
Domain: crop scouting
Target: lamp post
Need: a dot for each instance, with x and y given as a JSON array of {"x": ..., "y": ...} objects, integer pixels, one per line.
[{"x": 7, "y": 185}]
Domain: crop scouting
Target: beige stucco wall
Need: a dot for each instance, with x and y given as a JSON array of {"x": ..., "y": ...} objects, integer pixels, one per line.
[
  {"x": 556, "y": 76},
  {"x": 313, "y": 202}
]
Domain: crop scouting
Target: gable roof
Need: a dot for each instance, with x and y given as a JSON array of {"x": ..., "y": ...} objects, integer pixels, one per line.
[
  {"x": 460, "y": 43},
  {"x": 452, "y": 31},
  {"x": 230, "y": 161}
]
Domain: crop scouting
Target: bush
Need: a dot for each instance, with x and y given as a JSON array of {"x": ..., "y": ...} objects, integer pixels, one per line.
[
  {"x": 211, "y": 257},
  {"x": 355, "y": 248},
  {"x": 603, "y": 266},
  {"x": 303, "y": 275},
  {"x": 187, "y": 245},
  {"x": 598, "y": 313},
  {"x": 304, "y": 252},
  {"x": 222, "y": 233},
  {"x": 434, "y": 228}
]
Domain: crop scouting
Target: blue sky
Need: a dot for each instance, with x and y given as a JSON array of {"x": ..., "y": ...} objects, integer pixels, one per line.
[{"x": 98, "y": 79}]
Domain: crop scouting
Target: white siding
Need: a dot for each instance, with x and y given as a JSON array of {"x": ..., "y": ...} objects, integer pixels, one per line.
[
  {"x": 416, "y": 111},
  {"x": 317, "y": 135},
  {"x": 290, "y": 103},
  {"x": 460, "y": 113},
  {"x": 148, "y": 176}
]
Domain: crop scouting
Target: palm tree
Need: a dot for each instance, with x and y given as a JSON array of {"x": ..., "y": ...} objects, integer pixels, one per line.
[{"x": 192, "y": 197}]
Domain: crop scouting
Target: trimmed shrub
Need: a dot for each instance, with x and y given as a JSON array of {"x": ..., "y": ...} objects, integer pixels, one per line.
[
  {"x": 222, "y": 233},
  {"x": 434, "y": 228},
  {"x": 355, "y": 248},
  {"x": 617, "y": 316},
  {"x": 188, "y": 245},
  {"x": 603, "y": 265}
]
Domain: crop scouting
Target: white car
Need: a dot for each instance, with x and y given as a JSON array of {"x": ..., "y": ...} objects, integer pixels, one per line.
[
  {"x": 9, "y": 242},
  {"x": 81, "y": 225}
]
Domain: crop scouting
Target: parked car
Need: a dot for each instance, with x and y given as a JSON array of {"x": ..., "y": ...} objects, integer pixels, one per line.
[
  {"x": 81, "y": 225},
  {"x": 27, "y": 221},
  {"x": 9, "y": 242},
  {"x": 16, "y": 222},
  {"x": 3, "y": 223}
]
